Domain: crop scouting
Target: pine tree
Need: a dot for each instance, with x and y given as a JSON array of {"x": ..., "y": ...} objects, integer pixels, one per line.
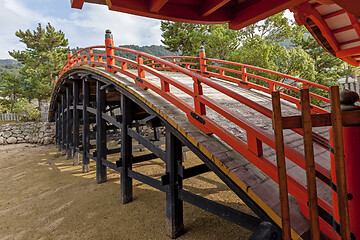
[
  {"x": 11, "y": 87},
  {"x": 45, "y": 54}
]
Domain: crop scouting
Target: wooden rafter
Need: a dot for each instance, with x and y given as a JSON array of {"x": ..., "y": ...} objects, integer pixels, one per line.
[
  {"x": 77, "y": 3},
  {"x": 211, "y": 6},
  {"x": 260, "y": 11},
  {"x": 156, "y": 5}
]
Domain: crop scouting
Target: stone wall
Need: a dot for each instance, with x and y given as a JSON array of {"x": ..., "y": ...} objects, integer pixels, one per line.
[{"x": 27, "y": 132}]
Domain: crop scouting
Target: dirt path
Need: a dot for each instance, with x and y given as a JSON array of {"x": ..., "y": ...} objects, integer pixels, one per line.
[{"x": 42, "y": 196}]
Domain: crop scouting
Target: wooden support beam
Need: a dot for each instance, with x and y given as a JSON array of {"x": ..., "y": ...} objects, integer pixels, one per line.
[
  {"x": 240, "y": 218},
  {"x": 310, "y": 164},
  {"x": 126, "y": 184},
  {"x": 193, "y": 171},
  {"x": 156, "y": 5},
  {"x": 75, "y": 123},
  {"x": 58, "y": 125},
  {"x": 174, "y": 206},
  {"x": 281, "y": 164},
  {"x": 68, "y": 123},
  {"x": 148, "y": 144},
  {"x": 86, "y": 126},
  {"x": 350, "y": 118},
  {"x": 342, "y": 195},
  {"x": 63, "y": 124},
  {"x": 101, "y": 170},
  {"x": 211, "y": 6}
]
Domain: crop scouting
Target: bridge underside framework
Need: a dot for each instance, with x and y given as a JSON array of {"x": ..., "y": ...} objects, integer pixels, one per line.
[{"x": 92, "y": 106}]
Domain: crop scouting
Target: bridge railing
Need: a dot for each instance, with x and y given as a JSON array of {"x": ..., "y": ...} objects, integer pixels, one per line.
[
  {"x": 252, "y": 148},
  {"x": 227, "y": 70}
]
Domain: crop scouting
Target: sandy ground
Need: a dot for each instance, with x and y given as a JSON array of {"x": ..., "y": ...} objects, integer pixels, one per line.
[{"x": 43, "y": 196}]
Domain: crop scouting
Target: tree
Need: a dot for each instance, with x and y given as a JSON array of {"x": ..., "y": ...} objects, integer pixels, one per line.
[
  {"x": 328, "y": 68},
  {"x": 187, "y": 39},
  {"x": 45, "y": 54},
  {"x": 12, "y": 87}
]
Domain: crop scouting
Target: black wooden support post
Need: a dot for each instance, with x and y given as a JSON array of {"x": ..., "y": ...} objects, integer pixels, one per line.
[
  {"x": 75, "y": 123},
  {"x": 86, "y": 126},
  {"x": 68, "y": 123},
  {"x": 63, "y": 125},
  {"x": 100, "y": 134},
  {"x": 58, "y": 126},
  {"x": 174, "y": 206},
  {"x": 126, "y": 151}
]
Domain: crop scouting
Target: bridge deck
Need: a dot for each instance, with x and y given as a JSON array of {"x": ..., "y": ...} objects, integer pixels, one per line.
[{"x": 259, "y": 186}]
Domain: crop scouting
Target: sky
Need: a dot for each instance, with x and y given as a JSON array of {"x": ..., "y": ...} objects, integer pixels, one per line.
[{"x": 85, "y": 27}]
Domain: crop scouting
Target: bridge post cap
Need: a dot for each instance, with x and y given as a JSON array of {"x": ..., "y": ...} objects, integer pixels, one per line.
[
  {"x": 201, "y": 49},
  {"x": 108, "y": 34},
  {"x": 348, "y": 100}
]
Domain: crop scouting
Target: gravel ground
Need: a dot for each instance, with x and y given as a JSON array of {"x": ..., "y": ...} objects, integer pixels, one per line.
[{"x": 43, "y": 196}]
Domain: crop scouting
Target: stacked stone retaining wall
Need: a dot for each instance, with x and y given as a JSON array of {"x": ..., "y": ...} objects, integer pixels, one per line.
[{"x": 27, "y": 132}]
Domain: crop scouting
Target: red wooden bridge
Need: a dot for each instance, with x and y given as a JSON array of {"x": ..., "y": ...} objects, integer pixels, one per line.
[{"x": 271, "y": 147}]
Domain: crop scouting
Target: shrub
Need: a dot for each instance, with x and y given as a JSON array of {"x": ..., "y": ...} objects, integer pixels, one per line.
[{"x": 26, "y": 109}]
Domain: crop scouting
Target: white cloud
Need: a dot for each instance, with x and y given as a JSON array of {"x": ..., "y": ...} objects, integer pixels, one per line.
[{"x": 83, "y": 28}]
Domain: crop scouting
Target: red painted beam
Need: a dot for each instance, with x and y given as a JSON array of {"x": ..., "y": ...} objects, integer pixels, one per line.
[
  {"x": 156, "y": 5},
  {"x": 334, "y": 14},
  {"x": 171, "y": 12},
  {"x": 343, "y": 29},
  {"x": 355, "y": 23},
  {"x": 211, "y": 6},
  {"x": 348, "y": 52},
  {"x": 350, "y": 41},
  {"x": 77, "y": 4},
  {"x": 260, "y": 11}
]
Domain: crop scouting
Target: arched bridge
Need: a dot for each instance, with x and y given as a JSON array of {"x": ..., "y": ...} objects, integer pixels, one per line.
[{"x": 231, "y": 115}]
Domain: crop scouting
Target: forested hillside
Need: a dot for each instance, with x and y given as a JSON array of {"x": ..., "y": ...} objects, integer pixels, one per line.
[
  {"x": 7, "y": 61},
  {"x": 156, "y": 50},
  {"x": 9, "y": 65}
]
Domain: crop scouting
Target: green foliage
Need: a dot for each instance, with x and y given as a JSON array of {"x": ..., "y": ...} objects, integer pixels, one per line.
[
  {"x": 12, "y": 68},
  {"x": 11, "y": 87},
  {"x": 187, "y": 39},
  {"x": 45, "y": 53},
  {"x": 26, "y": 109}
]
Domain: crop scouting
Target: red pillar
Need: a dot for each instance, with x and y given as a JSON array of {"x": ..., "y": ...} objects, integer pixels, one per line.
[{"x": 351, "y": 139}]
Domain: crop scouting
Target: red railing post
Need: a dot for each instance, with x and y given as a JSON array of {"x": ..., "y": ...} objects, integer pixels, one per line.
[
  {"x": 202, "y": 59},
  {"x": 174, "y": 62},
  {"x": 199, "y": 107},
  {"x": 78, "y": 58},
  {"x": 141, "y": 73},
  {"x": 271, "y": 87},
  {"x": 69, "y": 59},
  {"x": 243, "y": 74},
  {"x": 91, "y": 52},
  {"x": 109, "y": 44}
]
